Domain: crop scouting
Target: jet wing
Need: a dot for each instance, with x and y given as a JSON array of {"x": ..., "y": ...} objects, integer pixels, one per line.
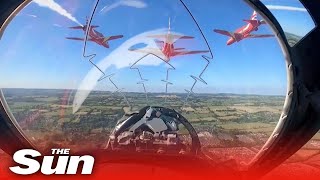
[
  {"x": 76, "y": 27},
  {"x": 181, "y": 37},
  {"x": 115, "y": 37},
  {"x": 189, "y": 52},
  {"x": 154, "y": 51},
  {"x": 173, "y": 36},
  {"x": 74, "y": 38},
  {"x": 178, "y": 49},
  {"x": 260, "y": 35},
  {"x": 170, "y": 38},
  {"x": 105, "y": 39},
  {"x": 78, "y": 39},
  {"x": 250, "y": 21},
  {"x": 223, "y": 32},
  {"x": 81, "y": 27}
]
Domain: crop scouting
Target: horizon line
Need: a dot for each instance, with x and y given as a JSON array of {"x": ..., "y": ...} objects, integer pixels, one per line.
[{"x": 97, "y": 90}]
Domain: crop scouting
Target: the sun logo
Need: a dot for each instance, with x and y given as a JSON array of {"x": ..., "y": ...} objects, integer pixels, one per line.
[{"x": 65, "y": 164}]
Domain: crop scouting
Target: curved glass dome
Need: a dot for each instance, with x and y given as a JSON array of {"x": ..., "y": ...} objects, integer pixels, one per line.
[{"x": 74, "y": 70}]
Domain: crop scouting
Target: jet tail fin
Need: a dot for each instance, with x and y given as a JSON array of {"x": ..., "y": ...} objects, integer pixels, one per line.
[{"x": 254, "y": 15}]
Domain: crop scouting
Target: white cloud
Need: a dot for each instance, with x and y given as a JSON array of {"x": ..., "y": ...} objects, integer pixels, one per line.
[
  {"x": 129, "y": 3},
  {"x": 134, "y": 3},
  {"x": 31, "y": 15},
  {"x": 287, "y": 8},
  {"x": 51, "y": 4},
  {"x": 57, "y": 25}
]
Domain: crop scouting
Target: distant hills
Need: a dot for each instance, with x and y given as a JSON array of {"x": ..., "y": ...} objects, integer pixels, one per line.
[{"x": 292, "y": 38}]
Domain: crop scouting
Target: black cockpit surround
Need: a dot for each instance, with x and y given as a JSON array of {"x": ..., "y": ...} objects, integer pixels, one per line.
[{"x": 300, "y": 119}]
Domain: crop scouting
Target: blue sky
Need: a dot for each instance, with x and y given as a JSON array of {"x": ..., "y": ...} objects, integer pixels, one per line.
[
  {"x": 36, "y": 54},
  {"x": 291, "y": 14}
]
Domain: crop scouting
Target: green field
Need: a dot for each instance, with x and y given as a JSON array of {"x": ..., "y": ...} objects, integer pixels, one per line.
[
  {"x": 228, "y": 122},
  {"x": 47, "y": 119}
]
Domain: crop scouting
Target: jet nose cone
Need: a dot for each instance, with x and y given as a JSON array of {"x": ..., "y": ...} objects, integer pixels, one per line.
[{"x": 230, "y": 41}]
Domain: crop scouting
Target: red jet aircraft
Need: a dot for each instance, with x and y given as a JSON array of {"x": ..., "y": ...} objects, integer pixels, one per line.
[
  {"x": 94, "y": 35},
  {"x": 245, "y": 31},
  {"x": 165, "y": 43}
]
